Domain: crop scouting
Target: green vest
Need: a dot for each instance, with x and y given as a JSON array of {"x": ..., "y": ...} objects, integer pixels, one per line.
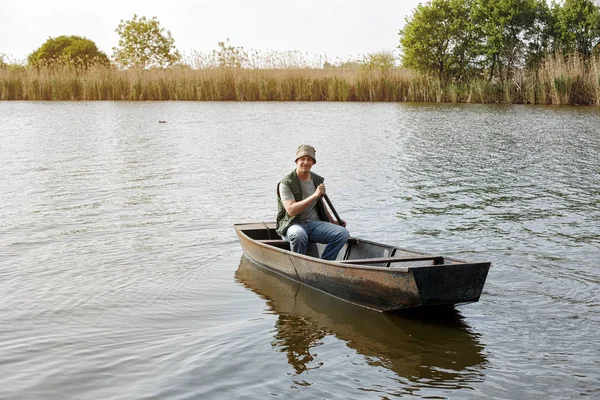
[{"x": 291, "y": 180}]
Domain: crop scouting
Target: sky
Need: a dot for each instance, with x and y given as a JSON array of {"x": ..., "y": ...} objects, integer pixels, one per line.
[{"x": 341, "y": 29}]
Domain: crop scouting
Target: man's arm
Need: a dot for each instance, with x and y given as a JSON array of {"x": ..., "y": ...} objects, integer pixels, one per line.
[{"x": 294, "y": 208}]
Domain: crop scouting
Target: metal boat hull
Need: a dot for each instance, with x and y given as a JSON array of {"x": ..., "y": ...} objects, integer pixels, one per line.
[{"x": 382, "y": 287}]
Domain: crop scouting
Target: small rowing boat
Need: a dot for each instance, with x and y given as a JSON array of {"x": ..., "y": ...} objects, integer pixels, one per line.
[{"x": 369, "y": 274}]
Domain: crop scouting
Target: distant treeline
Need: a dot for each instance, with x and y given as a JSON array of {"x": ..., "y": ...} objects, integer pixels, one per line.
[{"x": 557, "y": 80}]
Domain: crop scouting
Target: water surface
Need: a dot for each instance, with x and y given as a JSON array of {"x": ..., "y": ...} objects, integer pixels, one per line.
[{"x": 121, "y": 275}]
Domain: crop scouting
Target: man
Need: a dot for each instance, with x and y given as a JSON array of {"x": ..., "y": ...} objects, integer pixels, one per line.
[{"x": 301, "y": 215}]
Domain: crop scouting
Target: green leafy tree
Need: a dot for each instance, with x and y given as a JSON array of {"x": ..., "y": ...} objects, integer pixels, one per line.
[
  {"x": 77, "y": 49},
  {"x": 539, "y": 36},
  {"x": 229, "y": 56},
  {"x": 381, "y": 61},
  {"x": 438, "y": 38},
  {"x": 504, "y": 25},
  {"x": 143, "y": 43},
  {"x": 576, "y": 26},
  {"x": 465, "y": 41}
]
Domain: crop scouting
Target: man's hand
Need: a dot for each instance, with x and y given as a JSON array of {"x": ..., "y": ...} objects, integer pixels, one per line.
[
  {"x": 335, "y": 221},
  {"x": 341, "y": 223},
  {"x": 320, "y": 191}
]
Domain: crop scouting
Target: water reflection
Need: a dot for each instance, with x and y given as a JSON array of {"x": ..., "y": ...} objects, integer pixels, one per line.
[{"x": 421, "y": 351}]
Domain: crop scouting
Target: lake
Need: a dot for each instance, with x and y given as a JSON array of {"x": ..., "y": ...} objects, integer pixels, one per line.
[{"x": 122, "y": 278}]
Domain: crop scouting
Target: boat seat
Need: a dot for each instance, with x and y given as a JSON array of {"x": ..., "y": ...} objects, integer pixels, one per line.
[
  {"x": 279, "y": 243},
  {"x": 311, "y": 250},
  {"x": 436, "y": 260}
]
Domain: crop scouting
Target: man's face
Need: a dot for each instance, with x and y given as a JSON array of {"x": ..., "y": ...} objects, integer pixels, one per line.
[{"x": 305, "y": 163}]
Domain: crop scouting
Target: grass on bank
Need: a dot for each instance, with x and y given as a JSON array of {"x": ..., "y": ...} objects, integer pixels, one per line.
[{"x": 559, "y": 80}]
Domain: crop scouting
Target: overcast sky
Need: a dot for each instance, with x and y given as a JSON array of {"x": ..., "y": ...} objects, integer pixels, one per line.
[{"x": 335, "y": 28}]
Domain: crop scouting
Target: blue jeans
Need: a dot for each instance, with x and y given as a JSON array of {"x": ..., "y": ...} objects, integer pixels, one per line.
[{"x": 300, "y": 233}]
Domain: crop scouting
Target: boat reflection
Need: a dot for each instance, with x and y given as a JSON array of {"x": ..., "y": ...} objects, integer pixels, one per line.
[{"x": 417, "y": 348}]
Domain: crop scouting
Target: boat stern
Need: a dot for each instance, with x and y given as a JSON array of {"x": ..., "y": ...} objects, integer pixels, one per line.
[{"x": 452, "y": 284}]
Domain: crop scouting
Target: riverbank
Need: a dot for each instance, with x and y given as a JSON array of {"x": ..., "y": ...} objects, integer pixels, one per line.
[{"x": 560, "y": 81}]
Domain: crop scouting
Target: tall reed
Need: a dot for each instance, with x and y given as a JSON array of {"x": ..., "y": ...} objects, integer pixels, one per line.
[{"x": 558, "y": 80}]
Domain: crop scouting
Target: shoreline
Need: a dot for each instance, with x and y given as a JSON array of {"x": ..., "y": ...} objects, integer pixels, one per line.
[{"x": 567, "y": 85}]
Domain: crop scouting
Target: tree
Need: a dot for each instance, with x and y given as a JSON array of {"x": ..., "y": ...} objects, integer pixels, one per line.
[
  {"x": 382, "y": 61},
  {"x": 144, "y": 44},
  {"x": 576, "y": 26},
  {"x": 82, "y": 51},
  {"x": 229, "y": 56},
  {"x": 438, "y": 38},
  {"x": 539, "y": 38},
  {"x": 505, "y": 25}
]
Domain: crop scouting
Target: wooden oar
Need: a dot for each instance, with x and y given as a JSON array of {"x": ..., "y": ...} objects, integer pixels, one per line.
[{"x": 332, "y": 208}]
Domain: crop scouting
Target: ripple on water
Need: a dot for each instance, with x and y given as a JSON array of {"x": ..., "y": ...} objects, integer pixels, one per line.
[{"x": 121, "y": 273}]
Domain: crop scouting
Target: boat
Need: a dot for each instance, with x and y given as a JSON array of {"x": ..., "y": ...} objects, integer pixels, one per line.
[{"x": 373, "y": 275}]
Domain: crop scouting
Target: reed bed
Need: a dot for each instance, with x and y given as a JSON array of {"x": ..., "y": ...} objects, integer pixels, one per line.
[{"x": 558, "y": 80}]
